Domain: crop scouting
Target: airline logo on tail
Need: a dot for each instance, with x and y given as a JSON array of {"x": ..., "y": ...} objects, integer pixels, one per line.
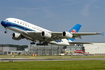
[{"x": 73, "y": 31}]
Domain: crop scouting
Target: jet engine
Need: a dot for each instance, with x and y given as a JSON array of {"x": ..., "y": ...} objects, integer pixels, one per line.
[
  {"x": 67, "y": 34},
  {"x": 16, "y": 36},
  {"x": 46, "y": 34}
]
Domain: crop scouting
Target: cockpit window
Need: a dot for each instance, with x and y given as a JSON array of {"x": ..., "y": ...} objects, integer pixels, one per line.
[{"x": 6, "y": 20}]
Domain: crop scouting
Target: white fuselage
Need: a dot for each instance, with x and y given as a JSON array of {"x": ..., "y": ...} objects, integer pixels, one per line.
[{"x": 25, "y": 25}]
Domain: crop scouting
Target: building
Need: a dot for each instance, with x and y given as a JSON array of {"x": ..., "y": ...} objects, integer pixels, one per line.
[
  {"x": 45, "y": 50},
  {"x": 7, "y": 50},
  {"x": 79, "y": 49},
  {"x": 52, "y": 49},
  {"x": 95, "y": 48}
]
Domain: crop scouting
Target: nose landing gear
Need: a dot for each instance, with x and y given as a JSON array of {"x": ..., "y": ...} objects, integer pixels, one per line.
[{"x": 5, "y": 30}]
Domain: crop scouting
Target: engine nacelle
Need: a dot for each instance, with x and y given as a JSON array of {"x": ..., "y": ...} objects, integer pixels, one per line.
[
  {"x": 46, "y": 34},
  {"x": 16, "y": 36},
  {"x": 67, "y": 34}
]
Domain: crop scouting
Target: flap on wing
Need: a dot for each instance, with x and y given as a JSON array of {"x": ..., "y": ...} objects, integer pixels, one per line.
[
  {"x": 57, "y": 33},
  {"x": 80, "y": 43},
  {"x": 37, "y": 35},
  {"x": 87, "y": 33},
  {"x": 32, "y": 32},
  {"x": 79, "y": 34},
  {"x": 32, "y": 35}
]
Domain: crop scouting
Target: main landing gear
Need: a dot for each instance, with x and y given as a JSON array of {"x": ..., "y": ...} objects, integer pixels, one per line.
[
  {"x": 41, "y": 43},
  {"x": 32, "y": 43}
]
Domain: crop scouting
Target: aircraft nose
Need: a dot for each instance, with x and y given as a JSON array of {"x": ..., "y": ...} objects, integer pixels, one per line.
[{"x": 3, "y": 23}]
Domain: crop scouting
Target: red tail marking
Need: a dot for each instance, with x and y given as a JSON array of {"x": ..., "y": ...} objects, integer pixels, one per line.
[{"x": 74, "y": 31}]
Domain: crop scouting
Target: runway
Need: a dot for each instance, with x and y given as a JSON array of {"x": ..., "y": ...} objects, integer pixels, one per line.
[{"x": 70, "y": 59}]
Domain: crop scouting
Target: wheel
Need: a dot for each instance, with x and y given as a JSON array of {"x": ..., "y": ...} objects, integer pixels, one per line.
[
  {"x": 45, "y": 43},
  {"x": 5, "y": 31},
  {"x": 32, "y": 43}
]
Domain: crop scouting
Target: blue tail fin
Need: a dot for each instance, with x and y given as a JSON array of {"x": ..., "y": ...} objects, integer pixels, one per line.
[{"x": 75, "y": 29}]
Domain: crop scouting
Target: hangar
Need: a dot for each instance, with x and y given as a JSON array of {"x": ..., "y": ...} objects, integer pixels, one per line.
[
  {"x": 53, "y": 49},
  {"x": 95, "y": 48},
  {"x": 76, "y": 49}
]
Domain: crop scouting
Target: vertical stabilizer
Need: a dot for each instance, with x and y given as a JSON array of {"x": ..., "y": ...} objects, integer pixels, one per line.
[{"x": 75, "y": 29}]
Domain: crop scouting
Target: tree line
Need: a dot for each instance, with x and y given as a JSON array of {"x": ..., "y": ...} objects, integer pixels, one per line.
[{"x": 19, "y": 47}]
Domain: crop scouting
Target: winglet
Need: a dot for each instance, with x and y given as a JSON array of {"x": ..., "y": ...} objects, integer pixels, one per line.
[{"x": 103, "y": 34}]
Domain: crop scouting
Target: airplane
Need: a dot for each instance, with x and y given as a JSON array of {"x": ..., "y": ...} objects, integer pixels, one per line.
[{"x": 35, "y": 33}]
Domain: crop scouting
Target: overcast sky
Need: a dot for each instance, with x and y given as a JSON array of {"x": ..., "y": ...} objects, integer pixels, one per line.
[{"x": 55, "y": 15}]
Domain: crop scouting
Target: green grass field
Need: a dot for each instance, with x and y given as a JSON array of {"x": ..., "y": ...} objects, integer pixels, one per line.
[
  {"x": 54, "y": 65},
  {"x": 51, "y": 57}
]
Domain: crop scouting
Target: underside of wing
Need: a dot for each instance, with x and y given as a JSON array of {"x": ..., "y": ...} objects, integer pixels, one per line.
[
  {"x": 62, "y": 35},
  {"x": 41, "y": 36},
  {"x": 32, "y": 35}
]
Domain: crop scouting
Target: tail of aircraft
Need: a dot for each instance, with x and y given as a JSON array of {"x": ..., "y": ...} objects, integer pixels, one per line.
[{"x": 75, "y": 29}]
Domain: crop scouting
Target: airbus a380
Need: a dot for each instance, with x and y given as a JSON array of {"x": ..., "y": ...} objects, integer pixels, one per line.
[{"x": 43, "y": 36}]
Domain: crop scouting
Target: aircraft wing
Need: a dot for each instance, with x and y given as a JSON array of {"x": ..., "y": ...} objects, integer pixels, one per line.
[{"x": 32, "y": 35}]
